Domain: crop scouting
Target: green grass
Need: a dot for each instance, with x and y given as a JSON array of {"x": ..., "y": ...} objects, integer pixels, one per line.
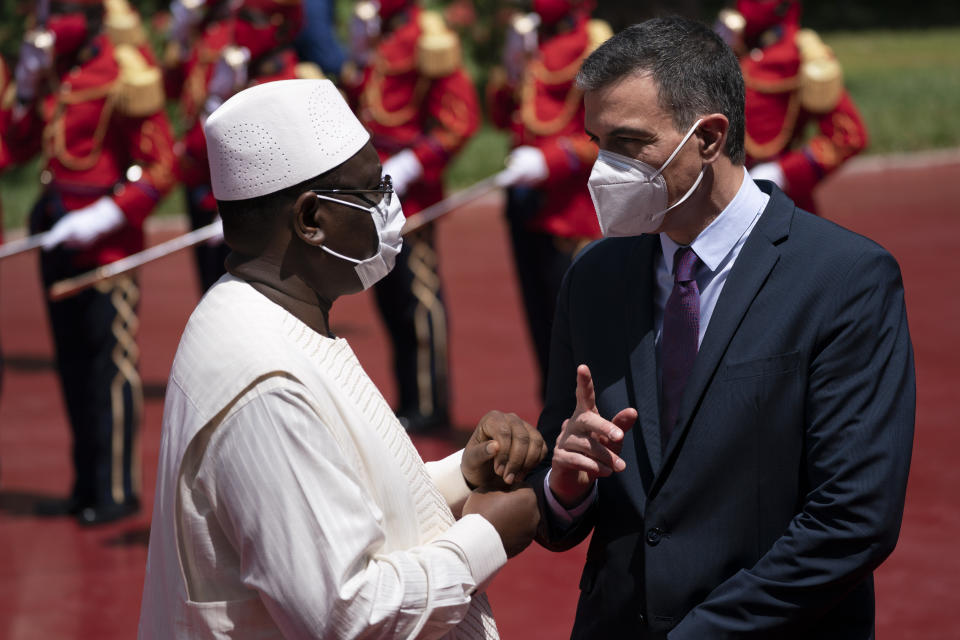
[{"x": 905, "y": 83}]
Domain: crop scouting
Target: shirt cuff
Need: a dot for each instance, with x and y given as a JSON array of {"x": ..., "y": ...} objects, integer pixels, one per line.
[
  {"x": 565, "y": 516},
  {"x": 448, "y": 477},
  {"x": 479, "y": 543}
]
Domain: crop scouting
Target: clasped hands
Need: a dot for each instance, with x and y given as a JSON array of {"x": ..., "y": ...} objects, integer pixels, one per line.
[
  {"x": 496, "y": 459},
  {"x": 504, "y": 448}
]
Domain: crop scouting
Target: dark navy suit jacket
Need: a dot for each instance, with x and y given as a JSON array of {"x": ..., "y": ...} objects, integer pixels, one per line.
[{"x": 782, "y": 486}]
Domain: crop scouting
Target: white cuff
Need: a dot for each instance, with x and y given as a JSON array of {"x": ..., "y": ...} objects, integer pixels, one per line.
[
  {"x": 565, "y": 516},
  {"x": 479, "y": 543},
  {"x": 448, "y": 477}
]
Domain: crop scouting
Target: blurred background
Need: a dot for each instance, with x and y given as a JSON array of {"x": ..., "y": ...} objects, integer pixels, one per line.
[{"x": 901, "y": 67}]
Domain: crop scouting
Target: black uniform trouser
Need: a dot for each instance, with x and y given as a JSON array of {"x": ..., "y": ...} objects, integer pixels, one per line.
[
  {"x": 94, "y": 337},
  {"x": 411, "y": 304},
  {"x": 207, "y": 258},
  {"x": 541, "y": 260}
]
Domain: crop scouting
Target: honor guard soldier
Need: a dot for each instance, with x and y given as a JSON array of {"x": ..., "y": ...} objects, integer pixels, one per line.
[
  {"x": 534, "y": 96},
  {"x": 792, "y": 80},
  {"x": 94, "y": 110},
  {"x": 198, "y": 32},
  {"x": 258, "y": 49},
  {"x": 407, "y": 80}
]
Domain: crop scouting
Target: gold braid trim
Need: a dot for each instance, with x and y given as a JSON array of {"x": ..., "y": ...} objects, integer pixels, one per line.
[
  {"x": 373, "y": 97},
  {"x": 124, "y": 294},
  {"x": 528, "y": 109},
  {"x": 431, "y": 346},
  {"x": 160, "y": 172},
  {"x": 55, "y": 132},
  {"x": 767, "y": 150},
  {"x": 772, "y": 86}
]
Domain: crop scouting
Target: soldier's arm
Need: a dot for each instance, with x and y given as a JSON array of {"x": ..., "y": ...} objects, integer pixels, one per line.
[
  {"x": 842, "y": 134},
  {"x": 149, "y": 144},
  {"x": 454, "y": 114}
]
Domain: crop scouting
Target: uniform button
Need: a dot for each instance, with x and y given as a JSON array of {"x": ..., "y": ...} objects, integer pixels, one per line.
[{"x": 654, "y": 535}]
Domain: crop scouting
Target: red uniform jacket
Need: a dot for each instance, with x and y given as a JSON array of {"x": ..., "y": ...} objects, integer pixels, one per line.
[
  {"x": 546, "y": 112},
  {"x": 89, "y": 143},
  {"x": 404, "y": 109},
  {"x": 776, "y": 121}
]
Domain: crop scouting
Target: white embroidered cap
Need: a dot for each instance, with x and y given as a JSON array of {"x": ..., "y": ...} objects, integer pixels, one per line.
[{"x": 277, "y": 134}]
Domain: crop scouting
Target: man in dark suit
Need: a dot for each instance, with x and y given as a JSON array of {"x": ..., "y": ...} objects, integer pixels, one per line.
[{"x": 731, "y": 388}]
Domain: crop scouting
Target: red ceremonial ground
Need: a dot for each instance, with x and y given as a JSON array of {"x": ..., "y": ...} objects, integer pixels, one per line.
[{"x": 59, "y": 580}]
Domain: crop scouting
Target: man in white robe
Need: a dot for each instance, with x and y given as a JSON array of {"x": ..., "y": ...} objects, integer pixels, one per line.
[{"x": 290, "y": 503}]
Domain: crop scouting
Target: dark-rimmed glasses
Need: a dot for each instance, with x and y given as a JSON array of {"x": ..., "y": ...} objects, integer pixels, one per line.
[{"x": 385, "y": 189}]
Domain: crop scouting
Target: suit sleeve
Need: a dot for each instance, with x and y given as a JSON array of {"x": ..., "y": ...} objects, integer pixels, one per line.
[
  {"x": 310, "y": 537},
  {"x": 841, "y": 135},
  {"x": 859, "y": 431},
  {"x": 559, "y": 405}
]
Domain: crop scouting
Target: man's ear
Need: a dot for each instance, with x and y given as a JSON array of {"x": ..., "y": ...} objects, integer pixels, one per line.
[
  {"x": 307, "y": 219},
  {"x": 713, "y": 132}
]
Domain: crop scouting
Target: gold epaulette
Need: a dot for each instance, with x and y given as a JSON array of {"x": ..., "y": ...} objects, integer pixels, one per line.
[
  {"x": 139, "y": 89},
  {"x": 821, "y": 78},
  {"x": 598, "y": 32},
  {"x": 438, "y": 47},
  {"x": 122, "y": 23},
  {"x": 308, "y": 71}
]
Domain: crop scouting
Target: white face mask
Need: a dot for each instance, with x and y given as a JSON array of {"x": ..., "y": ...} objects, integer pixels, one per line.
[
  {"x": 389, "y": 220},
  {"x": 630, "y": 196}
]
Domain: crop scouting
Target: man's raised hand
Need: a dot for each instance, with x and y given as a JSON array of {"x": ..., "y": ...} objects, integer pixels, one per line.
[
  {"x": 501, "y": 451},
  {"x": 588, "y": 446}
]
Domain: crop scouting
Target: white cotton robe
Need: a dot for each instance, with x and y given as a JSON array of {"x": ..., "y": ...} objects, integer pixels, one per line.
[{"x": 290, "y": 503}]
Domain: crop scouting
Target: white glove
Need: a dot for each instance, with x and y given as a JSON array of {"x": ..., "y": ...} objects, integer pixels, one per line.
[
  {"x": 405, "y": 169},
  {"x": 81, "y": 228},
  {"x": 526, "y": 167},
  {"x": 216, "y": 239},
  {"x": 769, "y": 171},
  {"x": 36, "y": 61}
]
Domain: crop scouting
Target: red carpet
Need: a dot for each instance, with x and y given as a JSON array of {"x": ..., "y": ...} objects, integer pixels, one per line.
[{"x": 58, "y": 580}]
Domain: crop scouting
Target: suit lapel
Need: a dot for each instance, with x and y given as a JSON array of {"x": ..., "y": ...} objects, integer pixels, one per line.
[
  {"x": 641, "y": 347},
  {"x": 753, "y": 266}
]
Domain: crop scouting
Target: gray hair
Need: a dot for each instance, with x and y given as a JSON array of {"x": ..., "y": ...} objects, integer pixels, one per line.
[{"x": 695, "y": 71}]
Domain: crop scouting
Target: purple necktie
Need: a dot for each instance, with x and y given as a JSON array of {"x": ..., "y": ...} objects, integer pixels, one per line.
[{"x": 678, "y": 345}]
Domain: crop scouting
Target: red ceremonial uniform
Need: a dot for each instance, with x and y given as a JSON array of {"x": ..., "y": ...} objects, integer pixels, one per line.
[
  {"x": 403, "y": 108},
  {"x": 420, "y": 107},
  {"x": 94, "y": 110},
  {"x": 778, "y": 116},
  {"x": 536, "y": 98},
  {"x": 271, "y": 58},
  {"x": 89, "y": 141},
  {"x": 546, "y": 111}
]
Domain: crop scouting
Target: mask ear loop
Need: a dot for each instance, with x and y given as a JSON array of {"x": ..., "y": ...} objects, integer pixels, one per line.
[
  {"x": 679, "y": 146},
  {"x": 340, "y": 255}
]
